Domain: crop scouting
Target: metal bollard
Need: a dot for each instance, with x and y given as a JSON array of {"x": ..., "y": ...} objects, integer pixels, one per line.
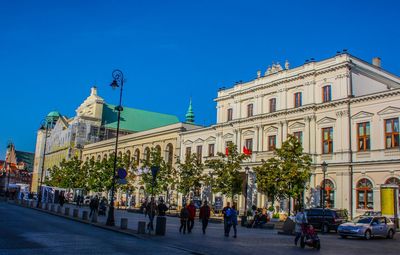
[
  {"x": 52, "y": 208},
  {"x": 141, "y": 227},
  {"x": 85, "y": 215},
  {"x": 124, "y": 223},
  {"x": 94, "y": 217},
  {"x": 59, "y": 209},
  {"x": 66, "y": 212},
  {"x": 75, "y": 213}
]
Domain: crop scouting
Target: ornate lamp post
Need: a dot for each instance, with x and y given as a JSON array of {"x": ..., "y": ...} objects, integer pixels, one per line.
[
  {"x": 247, "y": 169},
  {"x": 118, "y": 81},
  {"x": 324, "y": 167},
  {"x": 45, "y": 125}
]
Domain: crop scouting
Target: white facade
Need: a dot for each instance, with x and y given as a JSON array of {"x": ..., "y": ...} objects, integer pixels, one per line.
[{"x": 355, "y": 92}]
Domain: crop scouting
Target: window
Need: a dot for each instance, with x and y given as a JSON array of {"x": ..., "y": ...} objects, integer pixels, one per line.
[
  {"x": 271, "y": 142},
  {"x": 137, "y": 156},
  {"x": 327, "y": 140},
  {"x": 199, "y": 153},
  {"x": 297, "y": 99},
  {"x": 147, "y": 155},
  {"x": 392, "y": 133},
  {"x": 272, "y": 105},
  {"x": 326, "y": 93},
  {"x": 365, "y": 199},
  {"x": 329, "y": 193},
  {"x": 363, "y": 133},
  {"x": 170, "y": 154},
  {"x": 188, "y": 152},
  {"x": 211, "y": 150},
  {"x": 249, "y": 110},
  {"x": 249, "y": 144},
  {"x": 230, "y": 114},
  {"x": 299, "y": 136}
]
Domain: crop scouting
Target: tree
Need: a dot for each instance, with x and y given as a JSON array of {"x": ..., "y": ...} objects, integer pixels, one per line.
[
  {"x": 286, "y": 174},
  {"x": 190, "y": 174},
  {"x": 227, "y": 178},
  {"x": 70, "y": 174},
  {"x": 166, "y": 175}
]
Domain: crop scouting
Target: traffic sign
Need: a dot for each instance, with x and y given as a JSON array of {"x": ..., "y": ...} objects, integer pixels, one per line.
[{"x": 121, "y": 173}]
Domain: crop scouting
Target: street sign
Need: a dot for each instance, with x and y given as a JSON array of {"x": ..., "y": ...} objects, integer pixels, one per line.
[
  {"x": 121, "y": 173},
  {"x": 122, "y": 181}
]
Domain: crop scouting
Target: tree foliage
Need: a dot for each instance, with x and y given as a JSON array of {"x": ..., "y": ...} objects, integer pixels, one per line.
[
  {"x": 227, "y": 178},
  {"x": 286, "y": 174},
  {"x": 190, "y": 174}
]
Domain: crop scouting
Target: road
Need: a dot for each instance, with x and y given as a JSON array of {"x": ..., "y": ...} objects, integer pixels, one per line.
[{"x": 25, "y": 230}]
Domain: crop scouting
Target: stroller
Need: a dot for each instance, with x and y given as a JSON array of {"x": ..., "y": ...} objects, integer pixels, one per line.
[{"x": 309, "y": 237}]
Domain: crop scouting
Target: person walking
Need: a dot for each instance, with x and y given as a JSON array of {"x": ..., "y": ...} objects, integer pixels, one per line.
[
  {"x": 226, "y": 213},
  {"x": 78, "y": 201},
  {"x": 151, "y": 212},
  {"x": 184, "y": 215},
  {"x": 192, "y": 214},
  {"x": 61, "y": 199},
  {"x": 204, "y": 216},
  {"x": 232, "y": 221},
  {"x": 300, "y": 220}
]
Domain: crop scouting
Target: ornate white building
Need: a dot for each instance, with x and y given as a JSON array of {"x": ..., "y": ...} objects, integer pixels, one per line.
[{"x": 344, "y": 110}]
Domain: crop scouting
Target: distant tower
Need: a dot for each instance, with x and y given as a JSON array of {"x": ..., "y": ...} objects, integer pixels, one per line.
[{"x": 189, "y": 114}]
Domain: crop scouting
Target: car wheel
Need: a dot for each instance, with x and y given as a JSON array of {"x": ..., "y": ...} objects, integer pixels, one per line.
[
  {"x": 343, "y": 236},
  {"x": 367, "y": 235},
  {"x": 390, "y": 234}
]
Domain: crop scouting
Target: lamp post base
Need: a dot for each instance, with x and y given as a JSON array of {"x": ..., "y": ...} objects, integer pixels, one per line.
[{"x": 110, "y": 217}]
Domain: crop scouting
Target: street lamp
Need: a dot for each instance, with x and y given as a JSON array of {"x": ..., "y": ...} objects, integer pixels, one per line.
[
  {"x": 118, "y": 81},
  {"x": 211, "y": 180},
  {"x": 247, "y": 169},
  {"x": 45, "y": 125},
  {"x": 324, "y": 167}
]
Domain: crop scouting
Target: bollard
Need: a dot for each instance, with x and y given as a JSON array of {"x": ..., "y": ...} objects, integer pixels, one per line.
[
  {"x": 141, "y": 227},
  {"x": 75, "y": 213},
  {"x": 85, "y": 215},
  {"x": 52, "y": 208},
  {"x": 161, "y": 223},
  {"x": 32, "y": 203},
  {"x": 59, "y": 209},
  {"x": 124, "y": 223},
  {"x": 46, "y": 206},
  {"x": 66, "y": 212},
  {"x": 94, "y": 217}
]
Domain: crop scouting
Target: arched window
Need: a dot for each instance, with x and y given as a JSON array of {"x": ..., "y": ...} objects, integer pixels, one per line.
[
  {"x": 92, "y": 158},
  {"x": 396, "y": 181},
  {"x": 137, "y": 156},
  {"x": 158, "y": 148},
  {"x": 98, "y": 158},
  {"x": 365, "y": 195},
  {"x": 147, "y": 154},
  {"x": 170, "y": 154},
  {"x": 329, "y": 193},
  {"x": 105, "y": 157},
  {"x": 87, "y": 159},
  {"x": 120, "y": 154},
  {"x": 128, "y": 156}
]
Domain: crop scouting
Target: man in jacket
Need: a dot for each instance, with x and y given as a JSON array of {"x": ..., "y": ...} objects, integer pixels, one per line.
[
  {"x": 192, "y": 213},
  {"x": 204, "y": 215},
  {"x": 227, "y": 215},
  {"x": 300, "y": 220}
]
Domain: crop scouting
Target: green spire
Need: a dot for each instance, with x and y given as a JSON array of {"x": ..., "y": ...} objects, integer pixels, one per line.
[{"x": 189, "y": 114}]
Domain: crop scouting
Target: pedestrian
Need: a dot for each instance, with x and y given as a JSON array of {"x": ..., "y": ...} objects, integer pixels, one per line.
[
  {"x": 184, "y": 215},
  {"x": 61, "y": 198},
  {"x": 192, "y": 214},
  {"x": 151, "y": 211},
  {"x": 78, "y": 201},
  {"x": 94, "y": 205},
  {"x": 300, "y": 220},
  {"x": 226, "y": 213},
  {"x": 162, "y": 208},
  {"x": 204, "y": 216},
  {"x": 232, "y": 221}
]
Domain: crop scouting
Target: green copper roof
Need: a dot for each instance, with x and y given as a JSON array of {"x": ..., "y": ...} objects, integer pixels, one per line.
[
  {"x": 54, "y": 114},
  {"x": 190, "y": 115},
  {"x": 135, "y": 120}
]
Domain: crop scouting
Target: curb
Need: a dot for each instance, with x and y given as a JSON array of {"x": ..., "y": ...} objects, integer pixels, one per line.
[{"x": 114, "y": 229}]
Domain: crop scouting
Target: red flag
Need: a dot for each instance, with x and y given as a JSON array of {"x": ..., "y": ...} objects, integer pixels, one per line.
[
  {"x": 246, "y": 151},
  {"x": 226, "y": 151}
]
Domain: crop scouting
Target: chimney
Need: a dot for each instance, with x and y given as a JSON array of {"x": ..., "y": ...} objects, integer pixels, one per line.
[{"x": 376, "y": 62}]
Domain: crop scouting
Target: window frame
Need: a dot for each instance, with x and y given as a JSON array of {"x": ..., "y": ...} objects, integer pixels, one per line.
[
  {"x": 230, "y": 114},
  {"x": 247, "y": 142},
  {"x": 250, "y": 110},
  {"x": 364, "y": 137},
  {"x": 211, "y": 145},
  {"x": 299, "y": 138},
  {"x": 199, "y": 153},
  {"x": 271, "y": 146},
  {"x": 298, "y": 99},
  {"x": 272, "y": 104},
  {"x": 365, "y": 190},
  {"x": 188, "y": 152},
  {"x": 391, "y": 134},
  {"x": 326, "y": 93},
  {"x": 329, "y": 140}
]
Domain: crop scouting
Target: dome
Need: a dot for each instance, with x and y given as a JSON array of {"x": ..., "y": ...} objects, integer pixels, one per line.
[{"x": 54, "y": 114}]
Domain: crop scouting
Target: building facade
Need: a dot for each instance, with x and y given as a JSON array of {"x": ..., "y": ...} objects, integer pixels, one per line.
[{"x": 345, "y": 112}]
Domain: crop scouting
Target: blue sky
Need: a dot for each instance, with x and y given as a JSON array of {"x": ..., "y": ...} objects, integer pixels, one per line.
[{"x": 52, "y": 52}]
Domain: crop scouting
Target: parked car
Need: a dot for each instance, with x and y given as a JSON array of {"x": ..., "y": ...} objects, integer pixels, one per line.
[
  {"x": 330, "y": 221},
  {"x": 367, "y": 227}
]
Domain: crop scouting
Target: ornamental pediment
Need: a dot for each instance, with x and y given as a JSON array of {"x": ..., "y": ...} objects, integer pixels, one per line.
[
  {"x": 389, "y": 110},
  {"x": 297, "y": 125},
  {"x": 187, "y": 142},
  {"x": 199, "y": 140},
  {"x": 271, "y": 129},
  {"x": 248, "y": 132},
  {"x": 210, "y": 139},
  {"x": 228, "y": 136},
  {"x": 362, "y": 115},
  {"x": 326, "y": 120}
]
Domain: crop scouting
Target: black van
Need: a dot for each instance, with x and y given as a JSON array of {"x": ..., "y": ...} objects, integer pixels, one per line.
[{"x": 332, "y": 219}]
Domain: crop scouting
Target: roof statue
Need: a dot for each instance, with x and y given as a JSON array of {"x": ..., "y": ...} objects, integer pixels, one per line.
[
  {"x": 189, "y": 114},
  {"x": 287, "y": 65}
]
